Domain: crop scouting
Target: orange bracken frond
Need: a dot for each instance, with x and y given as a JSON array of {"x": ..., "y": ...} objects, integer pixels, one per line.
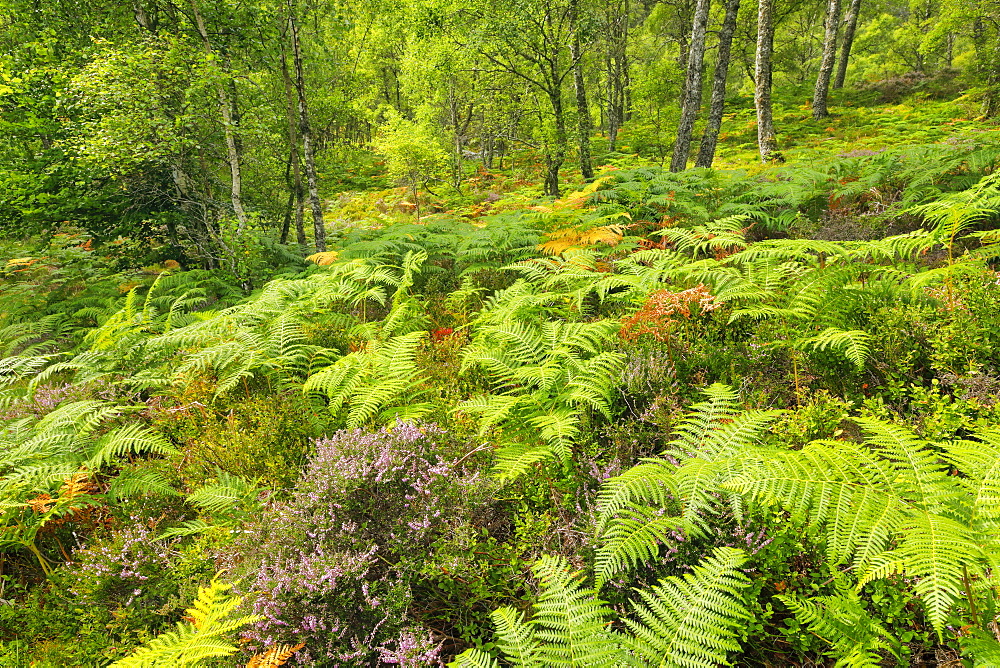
[
  {"x": 41, "y": 503},
  {"x": 562, "y": 240},
  {"x": 75, "y": 485},
  {"x": 274, "y": 657},
  {"x": 657, "y": 315},
  {"x": 324, "y": 259}
]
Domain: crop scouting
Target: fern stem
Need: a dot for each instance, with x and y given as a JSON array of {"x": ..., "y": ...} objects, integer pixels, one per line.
[
  {"x": 41, "y": 558},
  {"x": 973, "y": 613},
  {"x": 795, "y": 373}
]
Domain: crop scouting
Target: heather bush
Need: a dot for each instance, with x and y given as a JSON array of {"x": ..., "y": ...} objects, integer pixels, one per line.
[
  {"x": 335, "y": 564},
  {"x": 45, "y": 400}
]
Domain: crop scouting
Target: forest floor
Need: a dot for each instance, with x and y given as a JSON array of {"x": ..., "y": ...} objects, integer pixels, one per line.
[{"x": 772, "y": 389}]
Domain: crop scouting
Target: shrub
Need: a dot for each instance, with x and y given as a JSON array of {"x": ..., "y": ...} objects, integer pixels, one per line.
[
  {"x": 122, "y": 589},
  {"x": 333, "y": 566},
  {"x": 264, "y": 438}
]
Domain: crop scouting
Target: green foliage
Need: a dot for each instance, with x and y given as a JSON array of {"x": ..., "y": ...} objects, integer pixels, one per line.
[
  {"x": 412, "y": 152},
  {"x": 172, "y": 378},
  {"x": 631, "y": 521},
  {"x": 888, "y": 505},
  {"x": 264, "y": 438},
  {"x": 202, "y": 638},
  {"x": 693, "y": 620},
  {"x": 689, "y": 621},
  {"x": 855, "y": 637},
  {"x": 49, "y": 464},
  {"x": 379, "y": 382},
  {"x": 547, "y": 374}
]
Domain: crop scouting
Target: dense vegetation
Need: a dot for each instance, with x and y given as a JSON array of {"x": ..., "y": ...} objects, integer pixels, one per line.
[{"x": 403, "y": 333}]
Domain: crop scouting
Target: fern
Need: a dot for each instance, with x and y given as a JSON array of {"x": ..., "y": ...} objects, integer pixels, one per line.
[
  {"x": 638, "y": 508},
  {"x": 279, "y": 654},
  {"x": 689, "y": 621},
  {"x": 516, "y": 639},
  {"x": 854, "y": 344},
  {"x": 194, "y": 642},
  {"x": 855, "y": 638},
  {"x": 38, "y": 456},
  {"x": 570, "y": 620},
  {"x": 634, "y": 537},
  {"x": 889, "y": 505},
  {"x": 693, "y": 620},
  {"x": 474, "y": 658},
  {"x": 379, "y": 383},
  {"x": 228, "y": 495},
  {"x": 983, "y": 648},
  {"x": 187, "y": 528},
  {"x": 955, "y": 213},
  {"x": 546, "y": 375},
  {"x": 138, "y": 482},
  {"x": 721, "y": 237},
  {"x": 901, "y": 492}
]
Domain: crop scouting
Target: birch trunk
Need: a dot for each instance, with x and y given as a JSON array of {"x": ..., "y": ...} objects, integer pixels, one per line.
[
  {"x": 692, "y": 87},
  {"x": 226, "y": 109},
  {"x": 850, "y": 25},
  {"x": 706, "y": 152},
  {"x": 766, "y": 140},
  {"x": 305, "y": 132},
  {"x": 822, "y": 91},
  {"x": 617, "y": 17}
]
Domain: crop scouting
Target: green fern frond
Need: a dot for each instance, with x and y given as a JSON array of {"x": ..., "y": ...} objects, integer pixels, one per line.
[
  {"x": 188, "y": 528},
  {"x": 492, "y": 409},
  {"x": 837, "y": 484},
  {"x": 228, "y": 494},
  {"x": 651, "y": 483},
  {"x": 474, "y": 658},
  {"x": 546, "y": 375},
  {"x": 716, "y": 427},
  {"x": 570, "y": 621},
  {"x": 515, "y": 638},
  {"x": 920, "y": 474},
  {"x": 516, "y": 459},
  {"x": 129, "y": 439},
  {"x": 138, "y": 482},
  {"x": 374, "y": 382},
  {"x": 979, "y": 464},
  {"x": 853, "y": 343},
  {"x": 983, "y": 649},
  {"x": 938, "y": 552},
  {"x": 638, "y": 508},
  {"x": 194, "y": 642},
  {"x": 801, "y": 250},
  {"x": 855, "y": 638},
  {"x": 634, "y": 537},
  {"x": 694, "y": 620}
]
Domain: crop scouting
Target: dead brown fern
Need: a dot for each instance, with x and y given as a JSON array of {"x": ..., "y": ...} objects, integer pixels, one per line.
[
  {"x": 275, "y": 656},
  {"x": 73, "y": 486},
  {"x": 659, "y": 314},
  {"x": 76, "y": 485}
]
